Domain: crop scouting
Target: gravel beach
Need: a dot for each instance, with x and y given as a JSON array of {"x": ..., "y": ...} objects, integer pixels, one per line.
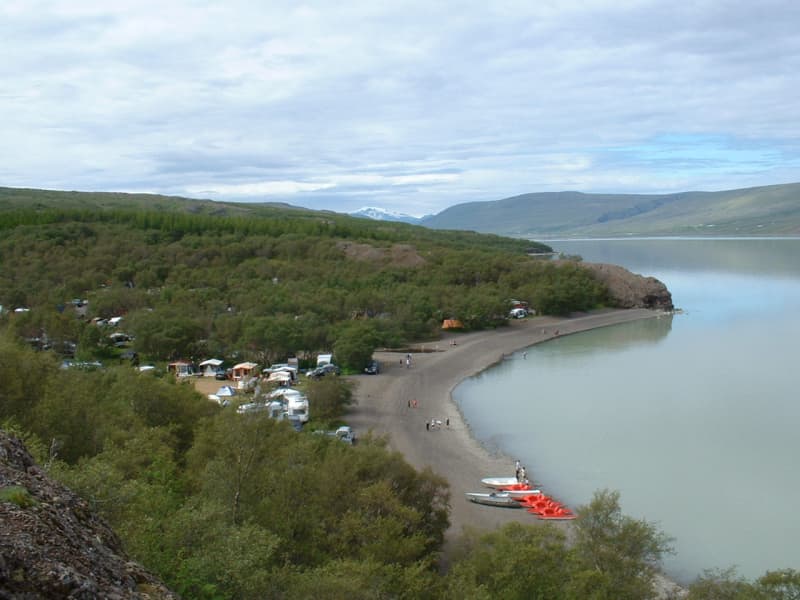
[{"x": 436, "y": 368}]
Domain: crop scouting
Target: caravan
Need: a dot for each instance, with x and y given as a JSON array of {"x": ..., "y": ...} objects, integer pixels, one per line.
[{"x": 297, "y": 407}]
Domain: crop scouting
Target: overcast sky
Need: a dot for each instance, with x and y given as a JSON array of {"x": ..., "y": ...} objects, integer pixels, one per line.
[{"x": 409, "y": 106}]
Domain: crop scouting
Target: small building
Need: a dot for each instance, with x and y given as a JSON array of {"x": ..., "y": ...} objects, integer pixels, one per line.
[{"x": 244, "y": 370}]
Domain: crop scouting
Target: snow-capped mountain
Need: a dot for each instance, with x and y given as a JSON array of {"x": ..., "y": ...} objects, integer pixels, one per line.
[{"x": 381, "y": 214}]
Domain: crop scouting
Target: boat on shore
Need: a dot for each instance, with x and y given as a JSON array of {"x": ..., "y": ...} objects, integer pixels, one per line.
[
  {"x": 504, "y": 482},
  {"x": 493, "y": 499},
  {"x": 522, "y": 493}
]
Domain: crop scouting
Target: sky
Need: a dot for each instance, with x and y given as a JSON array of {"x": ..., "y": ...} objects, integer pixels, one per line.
[{"x": 408, "y": 106}]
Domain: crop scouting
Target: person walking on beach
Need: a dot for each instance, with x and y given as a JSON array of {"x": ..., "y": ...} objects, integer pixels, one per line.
[
  {"x": 517, "y": 467},
  {"x": 427, "y": 426}
]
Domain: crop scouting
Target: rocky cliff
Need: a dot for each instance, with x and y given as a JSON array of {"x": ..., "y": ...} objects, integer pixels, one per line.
[
  {"x": 629, "y": 290},
  {"x": 53, "y": 546}
]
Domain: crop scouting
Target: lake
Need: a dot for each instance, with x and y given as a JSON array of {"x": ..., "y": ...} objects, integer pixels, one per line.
[{"x": 694, "y": 417}]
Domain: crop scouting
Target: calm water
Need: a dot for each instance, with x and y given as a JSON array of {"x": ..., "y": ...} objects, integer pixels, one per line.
[{"x": 693, "y": 418}]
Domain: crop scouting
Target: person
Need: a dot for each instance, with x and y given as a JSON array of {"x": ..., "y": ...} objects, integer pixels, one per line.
[
  {"x": 408, "y": 362},
  {"x": 517, "y": 467},
  {"x": 522, "y": 475},
  {"x": 447, "y": 421},
  {"x": 427, "y": 426}
]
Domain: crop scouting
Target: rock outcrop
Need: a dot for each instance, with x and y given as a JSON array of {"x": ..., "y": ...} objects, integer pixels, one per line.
[
  {"x": 629, "y": 290},
  {"x": 53, "y": 546}
]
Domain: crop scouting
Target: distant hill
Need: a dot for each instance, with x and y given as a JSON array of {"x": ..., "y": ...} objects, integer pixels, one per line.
[
  {"x": 14, "y": 198},
  {"x": 381, "y": 214},
  {"x": 770, "y": 210},
  {"x": 49, "y": 204}
]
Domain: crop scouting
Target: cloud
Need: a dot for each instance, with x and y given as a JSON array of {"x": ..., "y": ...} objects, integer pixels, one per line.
[{"x": 413, "y": 107}]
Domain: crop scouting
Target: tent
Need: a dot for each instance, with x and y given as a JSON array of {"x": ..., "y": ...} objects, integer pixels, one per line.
[
  {"x": 209, "y": 368},
  {"x": 452, "y": 324},
  {"x": 181, "y": 368}
]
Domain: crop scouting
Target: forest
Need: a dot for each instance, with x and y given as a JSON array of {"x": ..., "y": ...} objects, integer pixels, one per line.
[
  {"x": 223, "y": 505},
  {"x": 253, "y": 287}
]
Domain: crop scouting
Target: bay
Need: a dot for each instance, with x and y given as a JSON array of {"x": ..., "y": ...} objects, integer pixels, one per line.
[{"x": 692, "y": 417}]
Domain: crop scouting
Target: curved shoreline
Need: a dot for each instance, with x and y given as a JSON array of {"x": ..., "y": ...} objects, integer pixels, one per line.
[{"x": 437, "y": 368}]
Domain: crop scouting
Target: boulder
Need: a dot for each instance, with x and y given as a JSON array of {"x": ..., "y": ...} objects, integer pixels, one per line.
[
  {"x": 630, "y": 290},
  {"x": 53, "y": 546}
]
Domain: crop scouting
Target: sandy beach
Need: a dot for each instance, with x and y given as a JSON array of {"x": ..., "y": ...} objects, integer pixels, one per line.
[{"x": 436, "y": 369}]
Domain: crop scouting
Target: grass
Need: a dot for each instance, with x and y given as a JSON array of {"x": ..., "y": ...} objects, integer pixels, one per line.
[{"x": 17, "y": 494}]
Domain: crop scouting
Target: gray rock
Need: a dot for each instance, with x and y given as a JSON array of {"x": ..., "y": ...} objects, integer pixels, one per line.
[
  {"x": 53, "y": 546},
  {"x": 630, "y": 290}
]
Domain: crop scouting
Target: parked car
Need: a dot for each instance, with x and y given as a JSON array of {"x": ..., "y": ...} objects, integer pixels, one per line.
[
  {"x": 329, "y": 369},
  {"x": 372, "y": 368},
  {"x": 518, "y": 313},
  {"x": 220, "y": 374}
]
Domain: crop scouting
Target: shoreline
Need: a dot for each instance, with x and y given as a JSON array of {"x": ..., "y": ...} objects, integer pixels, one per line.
[{"x": 453, "y": 452}]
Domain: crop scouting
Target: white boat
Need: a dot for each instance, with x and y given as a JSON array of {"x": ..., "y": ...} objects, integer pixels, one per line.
[
  {"x": 493, "y": 499},
  {"x": 521, "y": 493},
  {"x": 498, "y": 482}
]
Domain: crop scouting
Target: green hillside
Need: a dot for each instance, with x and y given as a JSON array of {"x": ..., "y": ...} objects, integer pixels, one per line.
[
  {"x": 770, "y": 210},
  {"x": 222, "y": 505},
  {"x": 196, "y": 278}
]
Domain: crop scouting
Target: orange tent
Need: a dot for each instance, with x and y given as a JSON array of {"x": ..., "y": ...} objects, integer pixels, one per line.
[{"x": 452, "y": 324}]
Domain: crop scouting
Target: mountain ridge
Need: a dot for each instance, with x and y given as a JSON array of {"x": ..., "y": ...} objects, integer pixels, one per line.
[
  {"x": 381, "y": 214},
  {"x": 763, "y": 210}
]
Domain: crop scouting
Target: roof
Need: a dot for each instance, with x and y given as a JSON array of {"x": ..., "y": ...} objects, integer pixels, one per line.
[
  {"x": 245, "y": 365},
  {"x": 280, "y": 376},
  {"x": 214, "y": 362},
  {"x": 452, "y": 324}
]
